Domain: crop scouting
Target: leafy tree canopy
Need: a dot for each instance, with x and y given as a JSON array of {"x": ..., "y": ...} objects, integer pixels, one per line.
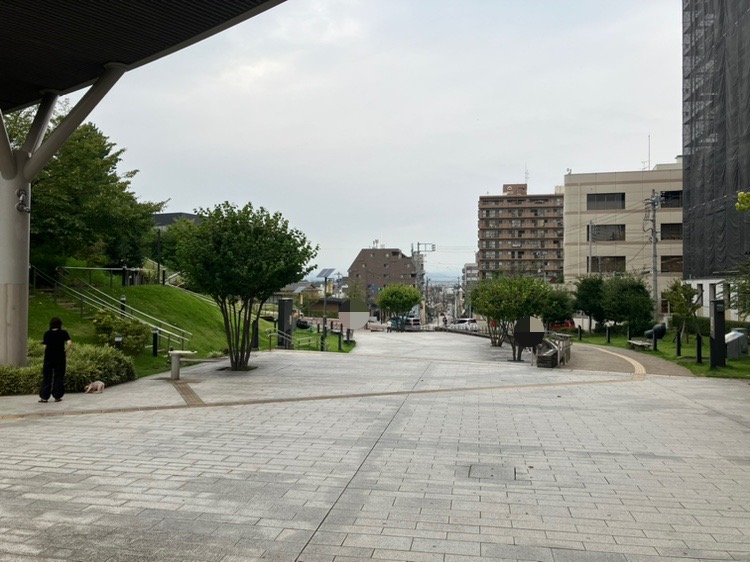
[
  {"x": 588, "y": 298},
  {"x": 240, "y": 257},
  {"x": 559, "y": 307},
  {"x": 399, "y": 299},
  {"x": 743, "y": 201},
  {"x": 683, "y": 302},
  {"x": 82, "y": 207},
  {"x": 626, "y": 299},
  {"x": 503, "y": 300}
]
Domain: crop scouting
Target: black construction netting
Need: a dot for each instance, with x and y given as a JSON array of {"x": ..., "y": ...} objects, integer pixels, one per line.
[{"x": 716, "y": 135}]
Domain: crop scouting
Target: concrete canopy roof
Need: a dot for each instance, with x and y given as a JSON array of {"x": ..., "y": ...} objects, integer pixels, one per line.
[{"x": 63, "y": 45}]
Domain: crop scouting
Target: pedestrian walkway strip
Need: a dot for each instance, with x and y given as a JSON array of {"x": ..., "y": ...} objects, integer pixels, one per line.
[
  {"x": 192, "y": 400},
  {"x": 187, "y": 393},
  {"x": 639, "y": 372}
]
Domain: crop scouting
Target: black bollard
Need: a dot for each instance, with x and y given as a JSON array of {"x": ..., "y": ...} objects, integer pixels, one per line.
[
  {"x": 656, "y": 341},
  {"x": 580, "y": 333},
  {"x": 609, "y": 336},
  {"x": 629, "y": 338},
  {"x": 341, "y": 334},
  {"x": 154, "y": 341},
  {"x": 698, "y": 349},
  {"x": 679, "y": 344}
]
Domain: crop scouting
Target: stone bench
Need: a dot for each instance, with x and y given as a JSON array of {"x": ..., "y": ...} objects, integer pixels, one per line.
[{"x": 639, "y": 344}]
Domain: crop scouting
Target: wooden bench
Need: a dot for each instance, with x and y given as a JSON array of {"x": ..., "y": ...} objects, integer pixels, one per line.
[{"x": 639, "y": 344}]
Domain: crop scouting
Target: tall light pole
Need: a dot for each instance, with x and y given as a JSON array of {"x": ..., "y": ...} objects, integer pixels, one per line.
[{"x": 324, "y": 274}]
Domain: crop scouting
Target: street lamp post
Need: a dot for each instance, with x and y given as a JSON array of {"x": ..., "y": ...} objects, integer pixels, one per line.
[{"x": 324, "y": 274}]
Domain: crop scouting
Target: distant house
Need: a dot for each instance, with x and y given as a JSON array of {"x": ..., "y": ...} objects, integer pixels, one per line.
[
  {"x": 162, "y": 221},
  {"x": 301, "y": 292}
]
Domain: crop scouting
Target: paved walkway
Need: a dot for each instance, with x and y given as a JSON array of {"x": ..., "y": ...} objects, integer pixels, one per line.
[{"x": 417, "y": 446}]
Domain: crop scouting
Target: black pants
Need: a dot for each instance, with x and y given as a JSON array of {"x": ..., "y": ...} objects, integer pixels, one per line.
[{"x": 53, "y": 379}]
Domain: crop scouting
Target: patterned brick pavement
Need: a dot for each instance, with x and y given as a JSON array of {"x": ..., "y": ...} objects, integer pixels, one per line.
[{"x": 416, "y": 447}]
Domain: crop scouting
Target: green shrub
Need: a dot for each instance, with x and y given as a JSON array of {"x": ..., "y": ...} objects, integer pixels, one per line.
[
  {"x": 134, "y": 334},
  {"x": 705, "y": 324},
  {"x": 86, "y": 363},
  {"x": 20, "y": 380}
]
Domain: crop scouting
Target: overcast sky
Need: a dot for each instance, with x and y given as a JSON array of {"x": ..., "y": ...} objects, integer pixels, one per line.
[{"x": 361, "y": 120}]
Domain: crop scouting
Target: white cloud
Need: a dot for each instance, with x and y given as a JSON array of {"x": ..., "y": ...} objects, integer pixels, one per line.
[{"x": 363, "y": 120}]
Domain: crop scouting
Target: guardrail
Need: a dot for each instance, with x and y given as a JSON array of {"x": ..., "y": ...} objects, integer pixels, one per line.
[
  {"x": 93, "y": 298},
  {"x": 289, "y": 341}
]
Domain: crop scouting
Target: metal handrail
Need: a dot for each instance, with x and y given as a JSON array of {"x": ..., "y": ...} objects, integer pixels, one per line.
[
  {"x": 283, "y": 336},
  {"x": 100, "y": 304},
  {"x": 102, "y": 298}
]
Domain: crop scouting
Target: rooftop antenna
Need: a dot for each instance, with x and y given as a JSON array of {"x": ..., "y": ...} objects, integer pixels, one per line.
[
  {"x": 649, "y": 151},
  {"x": 526, "y": 173}
]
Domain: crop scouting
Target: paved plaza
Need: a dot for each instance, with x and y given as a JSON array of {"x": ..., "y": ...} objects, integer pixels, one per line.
[{"x": 414, "y": 447}]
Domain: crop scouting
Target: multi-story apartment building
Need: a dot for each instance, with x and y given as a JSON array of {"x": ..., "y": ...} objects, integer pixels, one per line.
[
  {"x": 469, "y": 274},
  {"x": 607, "y": 220},
  {"x": 716, "y": 137},
  {"x": 521, "y": 234},
  {"x": 378, "y": 267}
]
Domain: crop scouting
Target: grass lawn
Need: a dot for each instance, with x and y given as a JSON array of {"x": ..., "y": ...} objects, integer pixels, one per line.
[
  {"x": 667, "y": 349},
  {"x": 171, "y": 305},
  {"x": 42, "y": 307}
]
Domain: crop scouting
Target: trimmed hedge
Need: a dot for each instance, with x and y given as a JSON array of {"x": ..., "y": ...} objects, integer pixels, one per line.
[
  {"x": 705, "y": 324},
  {"x": 86, "y": 363}
]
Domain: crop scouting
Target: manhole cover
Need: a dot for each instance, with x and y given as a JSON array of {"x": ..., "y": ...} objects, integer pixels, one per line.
[{"x": 493, "y": 472}]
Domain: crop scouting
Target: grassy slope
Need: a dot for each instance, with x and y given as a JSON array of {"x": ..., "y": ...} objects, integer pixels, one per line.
[
  {"x": 42, "y": 307},
  {"x": 174, "y": 306}
]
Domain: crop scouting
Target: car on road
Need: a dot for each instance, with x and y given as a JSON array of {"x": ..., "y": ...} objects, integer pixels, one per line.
[{"x": 466, "y": 324}]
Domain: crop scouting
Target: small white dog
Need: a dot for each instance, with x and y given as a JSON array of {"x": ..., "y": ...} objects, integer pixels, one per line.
[{"x": 94, "y": 387}]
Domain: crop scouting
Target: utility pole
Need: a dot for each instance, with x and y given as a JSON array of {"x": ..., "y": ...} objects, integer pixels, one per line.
[
  {"x": 591, "y": 242},
  {"x": 652, "y": 204},
  {"x": 421, "y": 247}
]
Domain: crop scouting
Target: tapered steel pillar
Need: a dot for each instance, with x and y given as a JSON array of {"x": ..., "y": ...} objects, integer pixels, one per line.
[
  {"x": 17, "y": 169},
  {"x": 14, "y": 265}
]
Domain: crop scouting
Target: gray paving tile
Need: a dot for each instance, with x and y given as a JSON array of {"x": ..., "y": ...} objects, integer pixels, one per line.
[{"x": 622, "y": 470}]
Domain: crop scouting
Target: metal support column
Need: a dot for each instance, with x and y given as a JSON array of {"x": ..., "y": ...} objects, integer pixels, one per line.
[{"x": 17, "y": 169}]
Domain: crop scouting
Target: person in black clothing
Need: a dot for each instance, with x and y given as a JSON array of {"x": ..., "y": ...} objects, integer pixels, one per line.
[{"x": 57, "y": 344}]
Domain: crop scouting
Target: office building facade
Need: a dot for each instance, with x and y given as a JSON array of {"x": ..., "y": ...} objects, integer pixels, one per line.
[{"x": 608, "y": 224}]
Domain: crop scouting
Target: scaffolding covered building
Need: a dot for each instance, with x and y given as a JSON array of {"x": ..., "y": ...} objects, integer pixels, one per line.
[{"x": 716, "y": 135}]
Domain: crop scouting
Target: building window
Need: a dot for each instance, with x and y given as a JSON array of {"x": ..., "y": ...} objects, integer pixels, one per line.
[
  {"x": 671, "y": 264},
  {"x": 605, "y": 232},
  {"x": 607, "y": 264},
  {"x": 605, "y": 201},
  {"x": 671, "y": 199},
  {"x": 671, "y": 231}
]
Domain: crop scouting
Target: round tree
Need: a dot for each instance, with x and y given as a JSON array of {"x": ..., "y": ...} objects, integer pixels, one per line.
[{"x": 240, "y": 258}]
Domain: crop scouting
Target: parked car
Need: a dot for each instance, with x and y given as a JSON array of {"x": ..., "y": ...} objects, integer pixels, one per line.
[
  {"x": 567, "y": 324},
  {"x": 467, "y": 324},
  {"x": 303, "y": 324}
]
